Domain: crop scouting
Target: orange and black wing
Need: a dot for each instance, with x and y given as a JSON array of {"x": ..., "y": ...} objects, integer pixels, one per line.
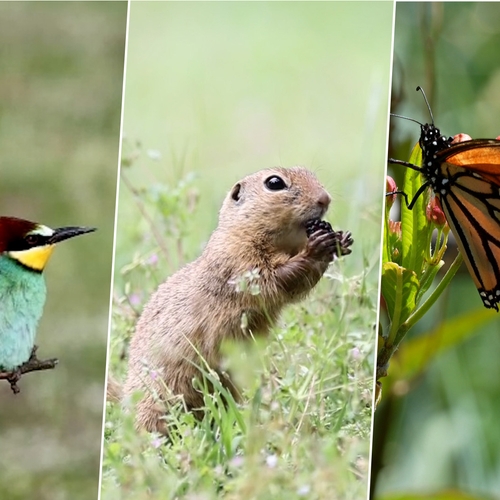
[
  {"x": 479, "y": 156},
  {"x": 472, "y": 208}
]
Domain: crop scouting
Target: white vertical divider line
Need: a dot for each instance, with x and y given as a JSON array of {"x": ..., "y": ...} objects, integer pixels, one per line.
[
  {"x": 370, "y": 455},
  {"x": 117, "y": 191}
]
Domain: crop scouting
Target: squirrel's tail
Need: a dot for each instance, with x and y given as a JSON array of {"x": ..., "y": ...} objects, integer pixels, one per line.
[{"x": 114, "y": 390}]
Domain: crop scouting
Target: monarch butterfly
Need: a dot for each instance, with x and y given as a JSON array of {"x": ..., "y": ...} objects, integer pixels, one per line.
[{"x": 465, "y": 177}]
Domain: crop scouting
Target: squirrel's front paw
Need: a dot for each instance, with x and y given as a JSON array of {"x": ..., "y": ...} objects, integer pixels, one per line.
[
  {"x": 324, "y": 243},
  {"x": 344, "y": 241}
]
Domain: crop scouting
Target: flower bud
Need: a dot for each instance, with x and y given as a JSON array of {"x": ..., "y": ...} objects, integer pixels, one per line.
[
  {"x": 390, "y": 187},
  {"x": 395, "y": 228},
  {"x": 461, "y": 138},
  {"x": 435, "y": 213}
]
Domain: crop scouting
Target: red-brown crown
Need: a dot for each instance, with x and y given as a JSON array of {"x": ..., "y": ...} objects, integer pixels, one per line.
[{"x": 13, "y": 232}]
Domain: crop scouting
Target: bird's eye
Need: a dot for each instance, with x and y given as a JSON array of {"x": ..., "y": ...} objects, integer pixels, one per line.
[
  {"x": 275, "y": 183},
  {"x": 32, "y": 240}
]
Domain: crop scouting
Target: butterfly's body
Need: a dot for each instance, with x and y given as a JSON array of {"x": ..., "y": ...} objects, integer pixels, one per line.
[{"x": 465, "y": 177}]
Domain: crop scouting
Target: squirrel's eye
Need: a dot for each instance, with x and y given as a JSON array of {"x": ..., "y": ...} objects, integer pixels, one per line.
[{"x": 275, "y": 183}]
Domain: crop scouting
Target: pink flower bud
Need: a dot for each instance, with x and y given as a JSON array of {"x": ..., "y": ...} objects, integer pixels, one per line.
[
  {"x": 435, "y": 213},
  {"x": 390, "y": 187},
  {"x": 461, "y": 138},
  {"x": 395, "y": 228}
]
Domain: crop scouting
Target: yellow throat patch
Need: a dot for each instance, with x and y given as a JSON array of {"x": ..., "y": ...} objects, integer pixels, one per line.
[{"x": 34, "y": 258}]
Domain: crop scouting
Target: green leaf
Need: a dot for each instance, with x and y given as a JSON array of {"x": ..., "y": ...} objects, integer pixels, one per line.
[
  {"x": 437, "y": 495},
  {"x": 414, "y": 224},
  {"x": 399, "y": 289},
  {"x": 416, "y": 354}
]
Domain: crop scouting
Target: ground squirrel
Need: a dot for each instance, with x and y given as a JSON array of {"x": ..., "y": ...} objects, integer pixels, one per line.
[{"x": 269, "y": 223}]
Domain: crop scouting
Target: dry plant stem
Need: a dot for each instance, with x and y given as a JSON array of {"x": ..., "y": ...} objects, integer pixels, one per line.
[
  {"x": 388, "y": 350},
  {"x": 32, "y": 365},
  {"x": 142, "y": 209}
]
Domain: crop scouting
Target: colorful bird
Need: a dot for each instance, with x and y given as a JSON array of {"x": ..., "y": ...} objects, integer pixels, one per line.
[{"x": 25, "y": 248}]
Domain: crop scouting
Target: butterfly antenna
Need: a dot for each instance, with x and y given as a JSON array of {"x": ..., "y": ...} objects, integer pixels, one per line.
[
  {"x": 406, "y": 118},
  {"x": 419, "y": 88}
]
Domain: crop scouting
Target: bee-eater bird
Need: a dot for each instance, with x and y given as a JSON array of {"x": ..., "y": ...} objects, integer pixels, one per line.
[{"x": 25, "y": 248}]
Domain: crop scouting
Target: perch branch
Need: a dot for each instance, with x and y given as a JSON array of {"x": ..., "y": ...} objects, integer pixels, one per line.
[{"x": 32, "y": 365}]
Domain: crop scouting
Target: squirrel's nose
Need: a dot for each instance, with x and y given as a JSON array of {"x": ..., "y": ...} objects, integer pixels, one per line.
[{"x": 324, "y": 200}]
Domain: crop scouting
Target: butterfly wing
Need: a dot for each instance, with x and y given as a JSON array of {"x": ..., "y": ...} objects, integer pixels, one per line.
[
  {"x": 472, "y": 208},
  {"x": 480, "y": 156}
]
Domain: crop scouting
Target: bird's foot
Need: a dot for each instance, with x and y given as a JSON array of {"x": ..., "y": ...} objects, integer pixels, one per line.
[
  {"x": 13, "y": 378},
  {"x": 33, "y": 364},
  {"x": 33, "y": 354}
]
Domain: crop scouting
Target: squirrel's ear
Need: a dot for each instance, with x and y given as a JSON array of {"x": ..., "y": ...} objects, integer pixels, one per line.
[{"x": 235, "y": 192}]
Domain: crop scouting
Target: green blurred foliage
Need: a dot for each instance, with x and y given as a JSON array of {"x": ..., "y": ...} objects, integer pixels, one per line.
[
  {"x": 225, "y": 89},
  {"x": 441, "y": 495},
  {"x": 436, "y": 427},
  {"x": 61, "y": 67}
]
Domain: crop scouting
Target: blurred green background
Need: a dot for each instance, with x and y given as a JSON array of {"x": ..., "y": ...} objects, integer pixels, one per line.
[
  {"x": 61, "y": 67},
  {"x": 223, "y": 89},
  {"x": 440, "y": 430}
]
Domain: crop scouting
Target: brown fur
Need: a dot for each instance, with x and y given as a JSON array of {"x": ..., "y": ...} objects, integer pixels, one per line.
[
  {"x": 199, "y": 306},
  {"x": 114, "y": 391}
]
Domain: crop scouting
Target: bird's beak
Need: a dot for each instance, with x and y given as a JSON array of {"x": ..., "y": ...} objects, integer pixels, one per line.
[{"x": 64, "y": 233}]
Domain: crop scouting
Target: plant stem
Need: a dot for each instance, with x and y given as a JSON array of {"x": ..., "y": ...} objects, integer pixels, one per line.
[
  {"x": 413, "y": 318},
  {"x": 386, "y": 351}
]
